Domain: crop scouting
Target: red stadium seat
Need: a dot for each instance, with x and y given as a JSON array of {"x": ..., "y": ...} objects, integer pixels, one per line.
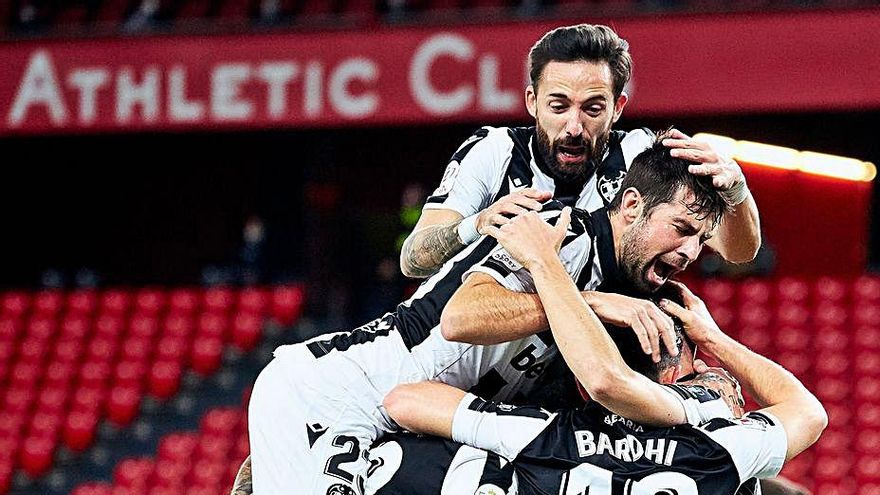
[
  {"x": 867, "y": 314},
  {"x": 866, "y": 337},
  {"x": 110, "y": 326},
  {"x": 830, "y": 289},
  {"x": 246, "y": 331},
  {"x": 89, "y": 398},
  {"x": 172, "y": 348},
  {"x": 789, "y": 314},
  {"x": 68, "y": 351},
  {"x": 79, "y": 430},
  {"x": 10, "y": 329},
  {"x": 206, "y": 355},
  {"x": 94, "y": 373},
  {"x": 212, "y": 325},
  {"x": 867, "y": 441},
  {"x": 164, "y": 379},
  {"x": 14, "y": 304},
  {"x": 832, "y": 389},
  {"x": 717, "y": 291},
  {"x": 133, "y": 473},
  {"x": 52, "y": 399},
  {"x": 797, "y": 362},
  {"x": 149, "y": 301},
  {"x": 177, "y": 324},
  {"x": 214, "y": 448},
  {"x": 866, "y": 289},
  {"x": 115, "y": 302},
  {"x": 221, "y": 421},
  {"x": 867, "y": 363},
  {"x": 171, "y": 474},
  {"x": 792, "y": 339},
  {"x": 218, "y": 300},
  {"x": 253, "y": 300},
  {"x": 827, "y": 313},
  {"x": 834, "y": 441},
  {"x": 42, "y": 327},
  {"x": 74, "y": 325},
  {"x": 183, "y": 301},
  {"x": 754, "y": 315},
  {"x": 754, "y": 291},
  {"x": 82, "y": 302},
  {"x": 143, "y": 325},
  {"x": 18, "y": 399},
  {"x": 59, "y": 374},
  {"x": 833, "y": 467},
  {"x": 46, "y": 424},
  {"x": 287, "y": 303},
  {"x": 33, "y": 350},
  {"x": 93, "y": 489},
  {"x": 136, "y": 348},
  {"x": 206, "y": 472},
  {"x": 123, "y": 404},
  {"x": 178, "y": 447},
  {"x": 102, "y": 349},
  {"x": 24, "y": 375},
  {"x": 36, "y": 455},
  {"x": 48, "y": 303},
  {"x": 832, "y": 364},
  {"x": 757, "y": 338},
  {"x": 867, "y": 389},
  {"x": 130, "y": 373},
  {"x": 723, "y": 316},
  {"x": 792, "y": 290},
  {"x": 830, "y": 339}
]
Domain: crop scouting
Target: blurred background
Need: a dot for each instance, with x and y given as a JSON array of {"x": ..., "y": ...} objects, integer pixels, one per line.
[{"x": 189, "y": 183}]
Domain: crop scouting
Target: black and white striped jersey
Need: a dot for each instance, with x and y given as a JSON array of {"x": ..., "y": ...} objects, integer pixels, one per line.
[
  {"x": 590, "y": 450},
  {"x": 506, "y": 371},
  {"x": 410, "y": 338},
  {"x": 496, "y": 161}
]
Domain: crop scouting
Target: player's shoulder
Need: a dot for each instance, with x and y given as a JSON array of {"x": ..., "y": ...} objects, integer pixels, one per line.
[{"x": 640, "y": 137}]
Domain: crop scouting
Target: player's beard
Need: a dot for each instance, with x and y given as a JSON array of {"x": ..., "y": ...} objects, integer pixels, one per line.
[
  {"x": 634, "y": 259},
  {"x": 575, "y": 172}
]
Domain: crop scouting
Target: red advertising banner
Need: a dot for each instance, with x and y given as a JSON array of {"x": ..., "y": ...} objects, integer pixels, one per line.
[{"x": 683, "y": 65}]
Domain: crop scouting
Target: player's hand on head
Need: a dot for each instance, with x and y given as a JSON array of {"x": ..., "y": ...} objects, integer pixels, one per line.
[
  {"x": 507, "y": 207},
  {"x": 698, "y": 323},
  {"x": 726, "y": 174},
  {"x": 647, "y": 321},
  {"x": 530, "y": 239}
]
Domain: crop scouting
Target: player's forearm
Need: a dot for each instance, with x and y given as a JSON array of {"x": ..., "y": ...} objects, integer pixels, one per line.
[
  {"x": 424, "y": 407},
  {"x": 426, "y": 249},
  {"x": 593, "y": 357},
  {"x": 486, "y": 313},
  {"x": 243, "y": 484},
  {"x": 775, "y": 389},
  {"x": 739, "y": 234}
]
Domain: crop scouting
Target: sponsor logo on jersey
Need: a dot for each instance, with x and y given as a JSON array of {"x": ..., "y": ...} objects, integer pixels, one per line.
[
  {"x": 507, "y": 261},
  {"x": 448, "y": 180},
  {"x": 629, "y": 449},
  {"x": 612, "y": 419},
  {"x": 608, "y": 185},
  {"x": 340, "y": 489},
  {"x": 489, "y": 489}
]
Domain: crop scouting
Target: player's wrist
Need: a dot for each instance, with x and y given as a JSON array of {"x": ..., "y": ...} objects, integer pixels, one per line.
[
  {"x": 736, "y": 193},
  {"x": 467, "y": 229}
]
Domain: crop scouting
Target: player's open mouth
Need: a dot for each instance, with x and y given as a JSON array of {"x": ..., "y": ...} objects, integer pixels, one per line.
[
  {"x": 571, "y": 153},
  {"x": 659, "y": 272}
]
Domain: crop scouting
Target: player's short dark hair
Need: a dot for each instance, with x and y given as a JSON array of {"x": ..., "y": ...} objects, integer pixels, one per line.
[
  {"x": 583, "y": 42},
  {"x": 631, "y": 350},
  {"x": 658, "y": 176}
]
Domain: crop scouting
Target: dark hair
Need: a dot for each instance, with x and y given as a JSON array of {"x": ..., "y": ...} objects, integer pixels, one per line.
[
  {"x": 634, "y": 357},
  {"x": 583, "y": 42},
  {"x": 658, "y": 176}
]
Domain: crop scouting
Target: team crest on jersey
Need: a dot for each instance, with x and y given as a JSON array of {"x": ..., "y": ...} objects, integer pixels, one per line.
[
  {"x": 449, "y": 177},
  {"x": 608, "y": 186},
  {"x": 489, "y": 489},
  {"x": 340, "y": 489}
]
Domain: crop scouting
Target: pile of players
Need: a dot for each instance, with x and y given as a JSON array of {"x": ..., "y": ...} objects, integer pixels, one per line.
[{"x": 548, "y": 351}]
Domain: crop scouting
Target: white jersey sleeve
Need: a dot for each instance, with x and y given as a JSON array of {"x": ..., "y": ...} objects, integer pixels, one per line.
[
  {"x": 500, "y": 428},
  {"x": 474, "y": 174},
  {"x": 700, "y": 404},
  {"x": 635, "y": 142},
  {"x": 757, "y": 443}
]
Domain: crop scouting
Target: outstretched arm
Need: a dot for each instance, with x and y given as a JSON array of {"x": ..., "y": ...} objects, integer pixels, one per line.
[
  {"x": 774, "y": 389},
  {"x": 582, "y": 339}
]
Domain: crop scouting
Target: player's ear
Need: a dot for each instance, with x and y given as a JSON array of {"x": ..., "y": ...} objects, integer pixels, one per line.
[
  {"x": 531, "y": 100},
  {"x": 618, "y": 106},
  {"x": 631, "y": 204}
]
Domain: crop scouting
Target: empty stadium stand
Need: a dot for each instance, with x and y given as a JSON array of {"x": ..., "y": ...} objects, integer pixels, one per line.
[{"x": 70, "y": 361}]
